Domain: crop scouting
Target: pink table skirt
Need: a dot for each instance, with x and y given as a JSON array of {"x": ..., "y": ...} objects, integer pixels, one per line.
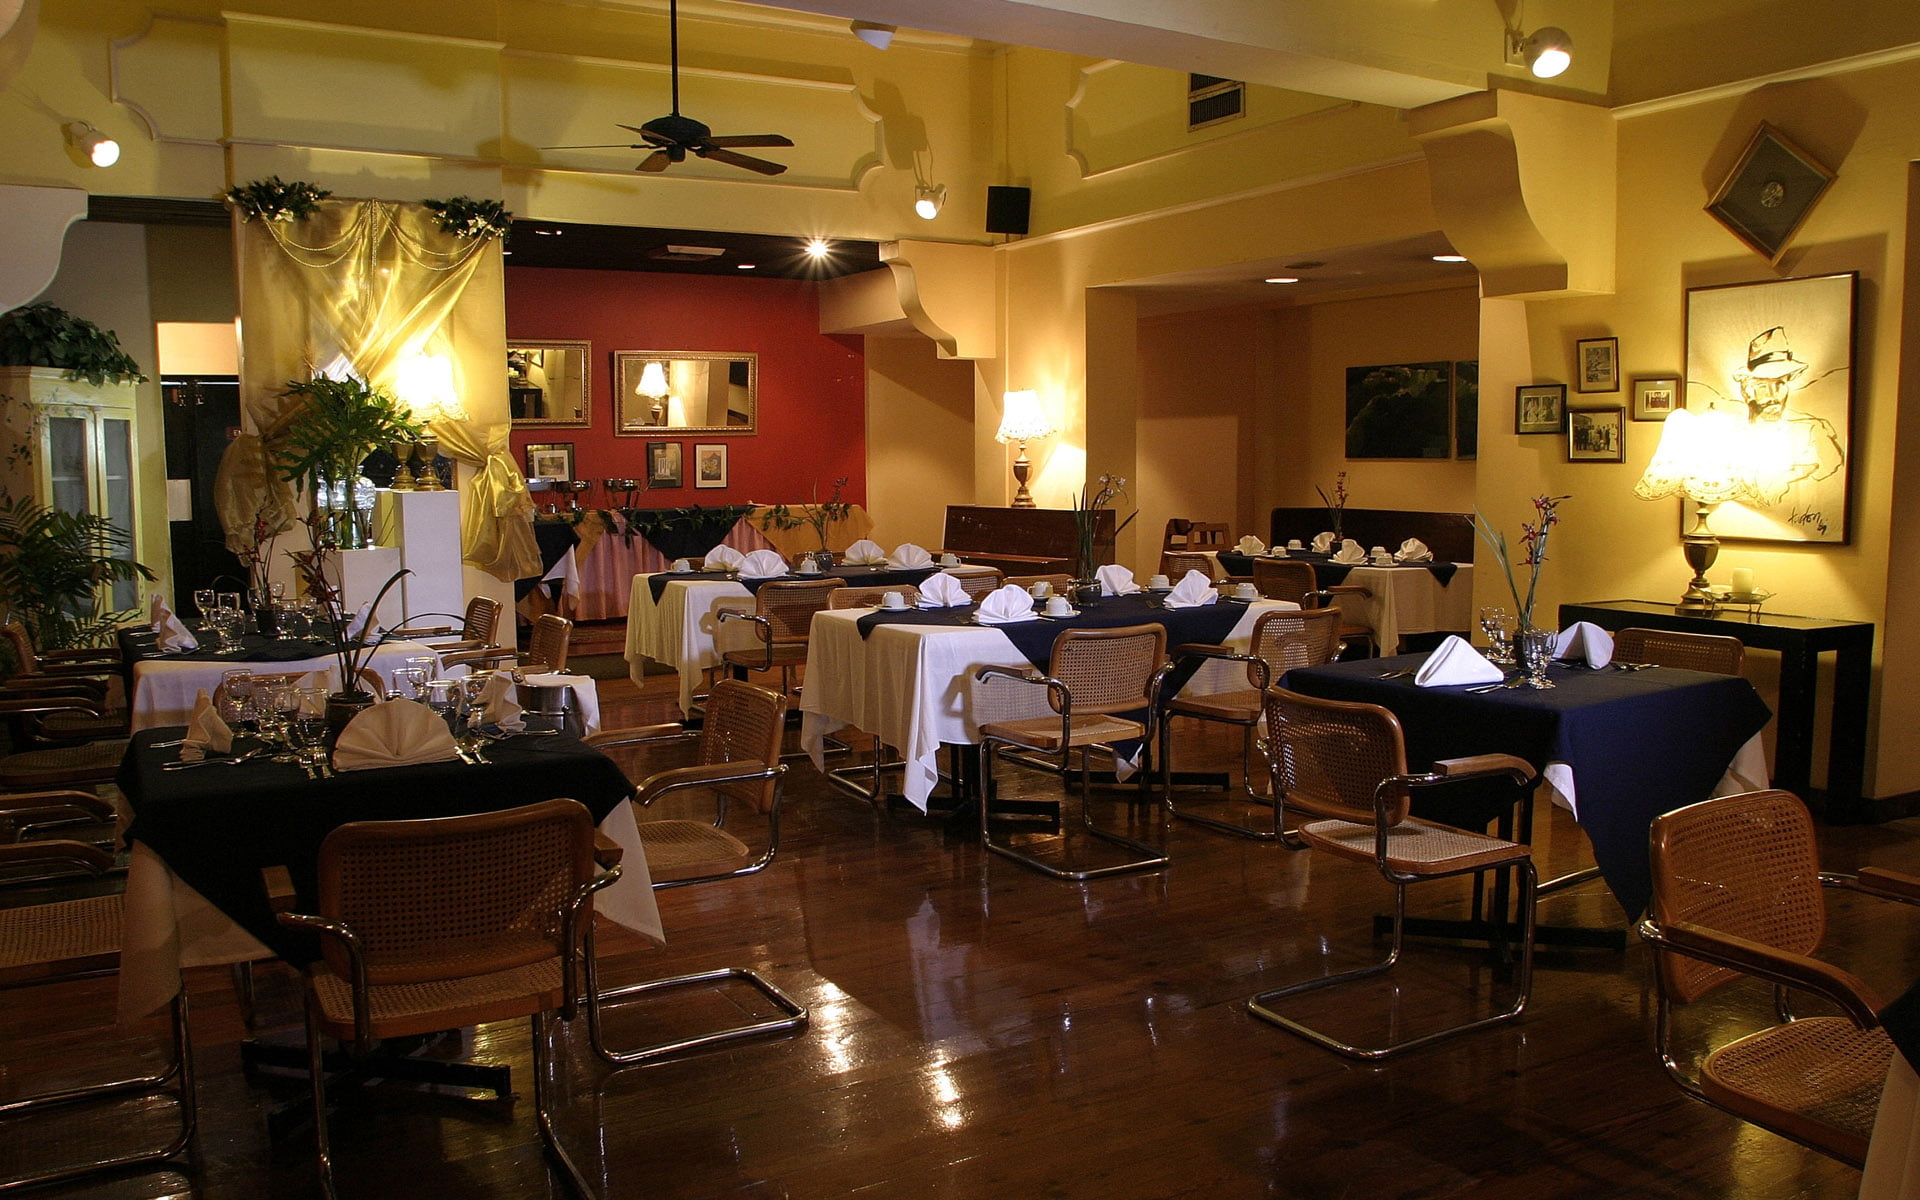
[{"x": 607, "y": 571}]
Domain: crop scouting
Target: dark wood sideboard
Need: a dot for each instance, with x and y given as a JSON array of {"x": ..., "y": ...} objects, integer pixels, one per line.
[
  {"x": 1023, "y": 541},
  {"x": 1449, "y": 535}
]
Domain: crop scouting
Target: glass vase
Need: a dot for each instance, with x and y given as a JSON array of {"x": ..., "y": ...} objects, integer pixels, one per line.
[{"x": 1534, "y": 650}]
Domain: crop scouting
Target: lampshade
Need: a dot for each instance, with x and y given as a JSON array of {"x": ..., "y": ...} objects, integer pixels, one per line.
[
  {"x": 1705, "y": 456},
  {"x": 1021, "y": 417},
  {"x": 653, "y": 382},
  {"x": 424, "y": 383}
]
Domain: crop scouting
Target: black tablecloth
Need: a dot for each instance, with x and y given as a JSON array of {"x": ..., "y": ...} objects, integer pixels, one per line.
[
  {"x": 1640, "y": 743},
  {"x": 1327, "y": 572},
  {"x": 218, "y": 826},
  {"x": 1209, "y": 624},
  {"x": 855, "y": 577},
  {"x": 136, "y": 644},
  {"x": 555, "y": 539}
]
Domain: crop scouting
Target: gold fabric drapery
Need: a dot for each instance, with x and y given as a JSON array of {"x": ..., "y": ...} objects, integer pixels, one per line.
[{"x": 496, "y": 513}]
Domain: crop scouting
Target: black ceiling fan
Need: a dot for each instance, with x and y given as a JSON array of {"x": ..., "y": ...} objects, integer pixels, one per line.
[{"x": 673, "y": 136}]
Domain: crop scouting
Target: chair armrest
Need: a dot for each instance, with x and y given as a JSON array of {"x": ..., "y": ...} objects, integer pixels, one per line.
[
  {"x": 1479, "y": 765},
  {"x": 1218, "y": 653},
  {"x": 70, "y": 800},
  {"x": 1345, "y": 589},
  {"x": 607, "y": 853},
  {"x": 57, "y": 852},
  {"x": 1844, "y": 989},
  {"x": 79, "y": 654},
  {"x": 702, "y": 775},
  {"x": 420, "y": 631},
  {"x": 1889, "y": 885},
  {"x": 490, "y": 654},
  {"x": 634, "y": 735},
  {"x": 1028, "y": 675},
  {"x": 18, "y": 688},
  {"x": 279, "y": 885},
  {"x": 51, "y": 704}
]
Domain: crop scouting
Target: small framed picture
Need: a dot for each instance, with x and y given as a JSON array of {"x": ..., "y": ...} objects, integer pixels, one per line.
[
  {"x": 1655, "y": 399},
  {"x": 1598, "y": 360},
  {"x": 710, "y": 465},
  {"x": 550, "y": 460},
  {"x": 663, "y": 465},
  {"x": 1597, "y": 435},
  {"x": 1540, "y": 408}
]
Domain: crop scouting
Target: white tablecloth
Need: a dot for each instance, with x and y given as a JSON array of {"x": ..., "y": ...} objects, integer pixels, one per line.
[
  {"x": 913, "y": 686},
  {"x": 164, "y": 689},
  {"x": 1409, "y": 600},
  {"x": 167, "y": 925},
  {"x": 1893, "y": 1155}
]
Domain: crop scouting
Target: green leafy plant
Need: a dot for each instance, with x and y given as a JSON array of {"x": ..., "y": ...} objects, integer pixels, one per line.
[
  {"x": 819, "y": 514},
  {"x": 340, "y": 422},
  {"x": 54, "y": 571},
  {"x": 463, "y": 216},
  {"x": 45, "y": 335},
  {"x": 1087, "y": 524},
  {"x": 313, "y": 566},
  {"x": 275, "y": 199}
]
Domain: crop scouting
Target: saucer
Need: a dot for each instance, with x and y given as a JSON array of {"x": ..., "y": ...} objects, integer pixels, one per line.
[
  {"x": 1058, "y": 616},
  {"x": 894, "y": 607}
]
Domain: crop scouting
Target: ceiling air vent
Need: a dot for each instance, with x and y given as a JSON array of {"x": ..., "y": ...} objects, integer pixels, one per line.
[
  {"x": 672, "y": 253},
  {"x": 1211, "y": 100}
]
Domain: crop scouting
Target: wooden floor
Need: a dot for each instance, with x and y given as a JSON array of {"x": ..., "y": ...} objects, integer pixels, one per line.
[{"x": 981, "y": 1031}]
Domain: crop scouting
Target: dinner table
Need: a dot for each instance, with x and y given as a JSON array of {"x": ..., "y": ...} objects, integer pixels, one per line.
[
  {"x": 163, "y": 686},
  {"x": 1618, "y": 746},
  {"x": 200, "y": 837},
  {"x": 1403, "y": 598},
  {"x": 908, "y": 677}
]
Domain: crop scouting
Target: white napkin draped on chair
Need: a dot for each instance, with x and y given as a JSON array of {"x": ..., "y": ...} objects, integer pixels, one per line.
[
  {"x": 906, "y": 556},
  {"x": 723, "y": 558},
  {"x": 1251, "y": 545},
  {"x": 1006, "y": 606},
  {"x": 1413, "y": 550},
  {"x": 1116, "y": 580},
  {"x": 1349, "y": 553},
  {"x": 398, "y": 733},
  {"x": 1453, "y": 663},
  {"x": 1193, "y": 591},
  {"x": 1585, "y": 641},
  {"x": 865, "y": 553},
  {"x": 944, "y": 591},
  {"x": 763, "y": 564},
  {"x": 206, "y": 731},
  {"x": 1323, "y": 542}
]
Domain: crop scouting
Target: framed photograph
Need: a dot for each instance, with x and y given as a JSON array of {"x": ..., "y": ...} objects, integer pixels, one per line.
[
  {"x": 1655, "y": 399},
  {"x": 1770, "y": 192},
  {"x": 1597, "y": 434},
  {"x": 710, "y": 465},
  {"x": 550, "y": 460},
  {"x": 1400, "y": 411},
  {"x": 1597, "y": 365},
  {"x": 1780, "y": 354},
  {"x": 1540, "y": 408},
  {"x": 663, "y": 465}
]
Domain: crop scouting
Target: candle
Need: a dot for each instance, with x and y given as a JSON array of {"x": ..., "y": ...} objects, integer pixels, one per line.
[{"x": 1743, "y": 581}]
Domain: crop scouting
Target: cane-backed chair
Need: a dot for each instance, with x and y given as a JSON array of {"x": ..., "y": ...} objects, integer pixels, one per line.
[
  {"x": 1738, "y": 891},
  {"x": 736, "y": 766},
  {"x": 476, "y": 629},
  {"x": 1281, "y": 642},
  {"x": 1688, "y": 651},
  {"x": 547, "y": 649},
  {"x": 1345, "y": 765},
  {"x": 73, "y": 764},
  {"x": 1175, "y": 564},
  {"x": 782, "y": 621},
  {"x": 1098, "y": 681},
  {"x": 870, "y": 597},
  {"x": 979, "y": 584},
  {"x": 70, "y": 939},
  {"x": 440, "y": 923},
  {"x": 1058, "y": 583},
  {"x": 87, "y": 674},
  {"x": 1292, "y": 579}
]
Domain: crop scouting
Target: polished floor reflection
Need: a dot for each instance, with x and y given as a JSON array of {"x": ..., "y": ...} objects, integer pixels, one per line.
[{"x": 980, "y": 1031}]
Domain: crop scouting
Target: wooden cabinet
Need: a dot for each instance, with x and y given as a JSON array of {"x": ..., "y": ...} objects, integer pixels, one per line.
[{"x": 1023, "y": 541}]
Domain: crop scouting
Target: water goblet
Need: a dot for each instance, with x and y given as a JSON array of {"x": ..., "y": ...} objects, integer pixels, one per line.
[
  {"x": 427, "y": 664},
  {"x": 237, "y": 699},
  {"x": 1497, "y": 624},
  {"x": 443, "y": 697},
  {"x": 203, "y": 599},
  {"x": 409, "y": 683},
  {"x": 269, "y": 713},
  {"x": 307, "y": 725}
]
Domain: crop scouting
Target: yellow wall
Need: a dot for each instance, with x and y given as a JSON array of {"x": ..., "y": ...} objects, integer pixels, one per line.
[{"x": 920, "y": 421}]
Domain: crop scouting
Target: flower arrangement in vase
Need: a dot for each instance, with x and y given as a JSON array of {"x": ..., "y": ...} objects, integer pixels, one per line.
[
  {"x": 1336, "y": 503},
  {"x": 1086, "y": 522},
  {"x": 819, "y": 514},
  {"x": 1532, "y": 644}
]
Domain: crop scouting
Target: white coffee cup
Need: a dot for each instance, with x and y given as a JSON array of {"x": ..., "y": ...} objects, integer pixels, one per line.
[
  {"x": 1158, "y": 581},
  {"x": 1246, "y": 591},
  {"x": 893, "y": 600},
  {"x": 949, "y": 560},
  {"x": 1058, "y": 607},
  {"x": 1381, "y": 552},
  {"x": 681, "y": 566},
  {"x": 1295, "y": 544},
  {"x": 1040, "y": 590},
  {"x": 809, "y": 567}
]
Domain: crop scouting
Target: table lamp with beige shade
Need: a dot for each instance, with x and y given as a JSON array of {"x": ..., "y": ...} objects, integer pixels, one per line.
[
  {"x": 1708, "y": 457},
  {"x": 1022, "y": 420}
]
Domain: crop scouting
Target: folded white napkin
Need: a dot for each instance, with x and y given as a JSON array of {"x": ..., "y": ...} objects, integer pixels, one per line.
[
  {"x": 722, "y": 558},
  {"x": 206, "y": 732},
  {"x": 907, "y": 555},
  {"x": 398, "y": 733},
  {"x": 763, "y": 564},
  {"x": 1349, "y": 553},
  {"x": 1251, "y": 545},
  {"x": 1323, "y": 542},
  {"x": 364, "y": 627},
  {"x": 158, "y": 609},
  {"x": 1005, "y": 606},
  {"x": 171, "y": 636},
  {"x": 1452, "y": 663},
  {"x": 1116, "y": 580},
  {"x": 586, "y": 695},
  {"x": 865, "y": 553},
  {"x": 1193, "y": 591},
  {"x": 943, "y": 591},
  {"x": 499, "y": 703},
  {"x": 1586, "y": 641},
  {"x": 1413, "y": 550}
]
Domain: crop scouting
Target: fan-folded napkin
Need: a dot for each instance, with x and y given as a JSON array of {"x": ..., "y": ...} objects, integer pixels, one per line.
[
  {"x": 866, "y": 553},
  {"x": 722, "y": 558},
  {"x": 1452, "y": 663},
  {"x": 1413, "y": 550},
  {"x": 205, "y": 731},
  {"x": 1251, "y": 545},
  {"x": 398, "y": 733},
  {"x": 586, "y": 695},
  {"x": 906, "y": 556},
  {"x": 499, "y": 703},
  {"x": 365, "y": 627},
  {"x": 763, "y": 564},
  {"x": 1349, "y": 553},
  {"x": 1005, "y": 606},
  {"x": 1193, "y": 591},
  {"x": 1586, "y": 641},
  {"x": 943, "y": 591},
  {"x": 1323, "y": 542},
  {"x": 1116, "y": 580},
  {"x": 169, "y": 631}
]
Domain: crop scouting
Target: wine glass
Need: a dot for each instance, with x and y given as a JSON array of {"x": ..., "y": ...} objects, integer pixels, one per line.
[
  {"x": 409, "y": 683},
  {"x": 306, "y": 711},
  {"x": 1497, "y": 624},
  {"x": 270, "y": 704},
  {"x": 443, "y": 697},
  {"x": 203, "y": 601},
  {"x": 427, "y": 664},
  {"x": 237, "y": 701}
]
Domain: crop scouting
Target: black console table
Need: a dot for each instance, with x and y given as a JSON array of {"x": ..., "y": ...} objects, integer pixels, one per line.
[{"x": 1800, "y": 641}]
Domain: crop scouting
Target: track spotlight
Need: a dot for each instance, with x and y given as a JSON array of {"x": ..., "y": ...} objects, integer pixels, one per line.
[
  {"x": 1547, "y": 52},
  {"x": 928, "y": 200},
  {"x": 99, "y": 149},
  {"x": 873, "y": 34}
]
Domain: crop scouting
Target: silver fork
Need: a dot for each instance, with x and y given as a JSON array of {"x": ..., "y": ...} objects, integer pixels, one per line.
[{"x": 213, "y": 762}]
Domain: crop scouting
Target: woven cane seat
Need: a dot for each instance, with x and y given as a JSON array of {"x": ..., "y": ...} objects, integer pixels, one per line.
[
  {"x": 42, "y": 940},
  {"x": 79, "y": 726},
  {"x": 679, "y": 845},
  {"x": 89, "y": 763},
  {"x": 403, "y": 1009},
  {"x": 1710, "y": 652},
  {"x": 1043, "y": 733},
  {"x": 1415, "y": 847},
  {"x": 1818, "y": 1078},
  {"x": 1241, "y": 707},
  {"x": 782, "y": 653}
]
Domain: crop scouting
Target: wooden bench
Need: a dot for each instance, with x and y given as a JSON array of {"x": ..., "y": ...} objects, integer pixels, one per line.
[{"x": 1023, "y": 541}]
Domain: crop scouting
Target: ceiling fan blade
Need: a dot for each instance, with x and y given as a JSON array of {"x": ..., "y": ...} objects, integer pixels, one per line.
[
  {"x": 708, "y": 150},
  {"x": 659, "y": 160},
  {"x": 753, "y": 139},
  {"x": 597, "y": 146}
]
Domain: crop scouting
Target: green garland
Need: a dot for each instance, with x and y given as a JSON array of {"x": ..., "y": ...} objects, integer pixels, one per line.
[
  {"x": 274, "y": 199},
  {"x": 463, "y": 216}
]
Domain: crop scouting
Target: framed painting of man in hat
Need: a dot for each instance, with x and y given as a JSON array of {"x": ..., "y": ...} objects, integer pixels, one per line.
[{"x": 1780, "y": 355}]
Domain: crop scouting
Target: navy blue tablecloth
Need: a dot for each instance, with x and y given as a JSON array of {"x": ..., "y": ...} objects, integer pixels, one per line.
[
  {"x": 1640, "y": 743},
  {"x": 1209, "y": 624},
  {"x": 1327, "y": 572},
  {"x": 855, "y": 577}
]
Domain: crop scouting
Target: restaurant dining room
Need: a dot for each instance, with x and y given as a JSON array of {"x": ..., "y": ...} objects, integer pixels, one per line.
[{"x": 875, "y": 597}]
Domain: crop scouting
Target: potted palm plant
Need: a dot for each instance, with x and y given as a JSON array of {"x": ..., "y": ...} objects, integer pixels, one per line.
[
  {"x": 339, "y": 423},
  {"x": 53, "y": 570}
]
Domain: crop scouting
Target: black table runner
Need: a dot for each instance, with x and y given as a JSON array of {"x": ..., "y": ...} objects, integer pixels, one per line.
[
  {"x": 854, "y": 575},
  {"x": 139, "y": 644},
  {"x": 1327, "y": 572},
  {"x": 1209, "y": 624}
]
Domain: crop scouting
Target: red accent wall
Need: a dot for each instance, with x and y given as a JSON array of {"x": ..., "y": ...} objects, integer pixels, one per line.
[{"x": 812, "y": 422}]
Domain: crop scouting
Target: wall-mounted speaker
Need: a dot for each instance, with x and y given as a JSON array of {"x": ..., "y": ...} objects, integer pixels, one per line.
[{"x": 1007, "y": 209}]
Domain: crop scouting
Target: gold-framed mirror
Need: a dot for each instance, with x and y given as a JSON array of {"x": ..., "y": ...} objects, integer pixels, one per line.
[
  {"x": 684, "y": 391},
  {"x": 549, "y": 383}
]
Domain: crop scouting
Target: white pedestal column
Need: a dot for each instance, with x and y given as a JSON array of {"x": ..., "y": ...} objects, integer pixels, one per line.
[{"x": 425, "y": 528}]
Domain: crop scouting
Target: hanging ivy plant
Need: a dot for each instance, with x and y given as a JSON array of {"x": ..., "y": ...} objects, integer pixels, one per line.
[
  {"x": 463, "y": 216},
  {"x": 44, "y": 335},
  {"x": 274, "y": 199}
]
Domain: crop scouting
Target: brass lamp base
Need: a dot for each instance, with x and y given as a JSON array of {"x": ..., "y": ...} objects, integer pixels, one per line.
[
  {"x": 1022, "y": 498},
  {"x": 1700, "y": 547}
]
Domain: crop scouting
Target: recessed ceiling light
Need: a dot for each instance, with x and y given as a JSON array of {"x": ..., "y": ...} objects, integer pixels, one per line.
[
  {"x": 546, "y": 232},
  {"x": 1283, "y": 279},
  {"x": 744, "y": 266},
  {"x": 817, "y": 247},
  {"x": 1449, "y": 258}
]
